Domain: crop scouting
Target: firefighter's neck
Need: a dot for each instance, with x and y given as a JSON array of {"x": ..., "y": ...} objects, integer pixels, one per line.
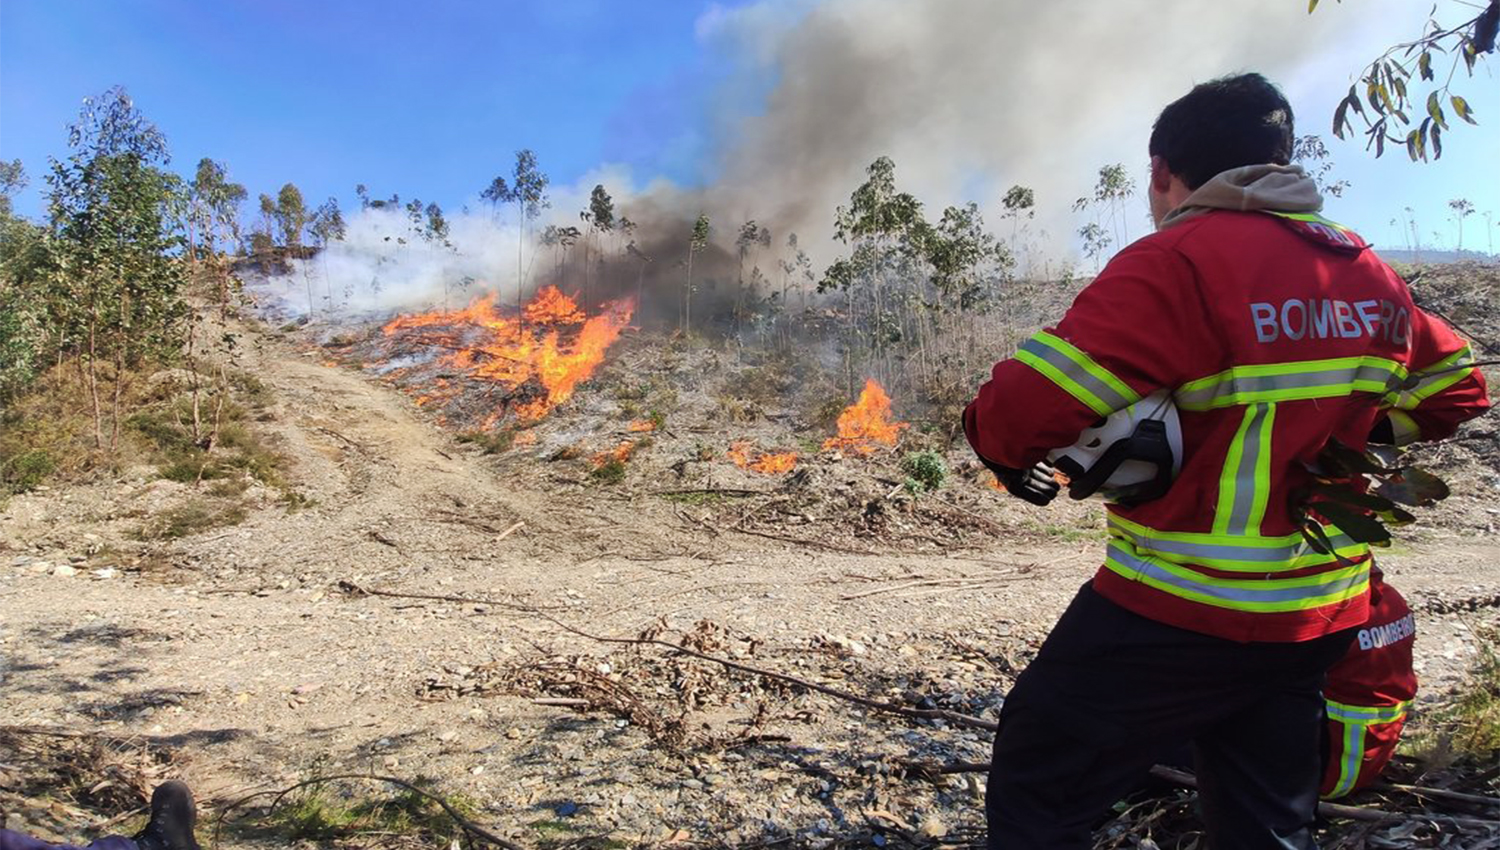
[{"x": 1166, "y": 192}]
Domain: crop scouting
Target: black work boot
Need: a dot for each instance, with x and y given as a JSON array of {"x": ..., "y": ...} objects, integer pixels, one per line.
[{"x": 172, "y": 817}]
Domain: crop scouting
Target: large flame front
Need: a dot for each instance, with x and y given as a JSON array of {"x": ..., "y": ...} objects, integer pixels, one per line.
[
  {"x": 866, "y": 425},
  {"x": 512, "y": 350}
]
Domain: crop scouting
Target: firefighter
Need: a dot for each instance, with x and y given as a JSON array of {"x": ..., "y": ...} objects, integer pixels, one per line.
[
  {"x": 1211, "y": 621},
  {"x": 1367, "y": 694}
]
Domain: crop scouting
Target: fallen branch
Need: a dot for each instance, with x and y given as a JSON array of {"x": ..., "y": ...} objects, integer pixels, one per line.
[
  {"x": 878, "y": 705},
  {"x": 827, "y": 547},
  {"x": 471, "y": 829},
  {"x": 509, "y": 531},
  {"x": 1438, "y": 794},
  {"x": 711, "y": 491},
  {"x": 1188, "y": 780},
  {"x": 352, "y": 589}
]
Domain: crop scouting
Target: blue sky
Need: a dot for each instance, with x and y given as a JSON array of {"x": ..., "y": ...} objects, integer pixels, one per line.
[
  {"x": 430, "y": 100},
  {"x": 423, "y": 99}
]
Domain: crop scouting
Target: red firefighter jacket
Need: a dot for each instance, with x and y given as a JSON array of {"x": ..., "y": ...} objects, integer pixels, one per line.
[
  {"x": 1368, "y": 693},
  {"x": 1275, "y": 332}
]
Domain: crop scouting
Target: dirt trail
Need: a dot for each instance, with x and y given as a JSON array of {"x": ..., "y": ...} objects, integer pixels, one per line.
[{"x": 247, "y": 660}]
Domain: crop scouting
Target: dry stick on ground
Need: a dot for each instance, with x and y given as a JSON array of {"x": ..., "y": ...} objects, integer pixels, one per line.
[
  {"x": 829, "y": 547},
  {"x": 471, "y": 829},
  {"x": 1188, "y": 780},
  {"x": 711, "y": 491},
  {"x": 878, "y": 705},
  {"x": 353, "y": 589},
  {"x": 1438, "y": 794}
]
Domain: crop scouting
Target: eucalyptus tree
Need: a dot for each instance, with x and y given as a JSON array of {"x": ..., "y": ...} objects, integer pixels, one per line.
[
  {"x": 1114, "y": 189},
  {"x": 527, "y": 189},
  {"x": 213, "y": 207},
  {"x": 886, "y": 233},
  {"x": 26, "y": 335},
  {"x": 1314, "y": 157},
  {"x": 1462, "y": 209},
  {"x": 291, "y": 215},
  {"x": 697, "y": 241},
  {"x": 1096, "y": 240},
  {"x": 119, "y": 289},
  {"x": 600, "y": 218},
  {"x": 327, "y": 223},
  {"x": 1019, "y": 204},
  {"x": 1394, "y": 81}
]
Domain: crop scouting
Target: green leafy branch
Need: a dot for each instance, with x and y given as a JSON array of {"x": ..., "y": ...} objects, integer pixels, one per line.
[
  {"x": 1388, "y": 81},
  {"x": 1364, "y": 493}
]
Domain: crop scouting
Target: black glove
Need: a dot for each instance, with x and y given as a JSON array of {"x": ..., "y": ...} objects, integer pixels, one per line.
[{"x": 1035, "y": 485}]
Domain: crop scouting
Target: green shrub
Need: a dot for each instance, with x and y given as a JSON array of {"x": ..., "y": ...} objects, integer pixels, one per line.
[
  {"x": 195, "y": 517},
  {"x": 611, "y": 471},
  {"x": 925, "y": 470},
  {"x": 23, "y": 472},
  {"x": 495, "y": 443}
]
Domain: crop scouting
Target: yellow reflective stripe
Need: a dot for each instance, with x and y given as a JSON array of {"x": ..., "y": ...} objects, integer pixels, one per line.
[
  {"x": 1356, "y": 721},
  {"x": 1313, "y": 217},
  {"x": 1245, "y": 483},
  {"x": 1369, "y": 715},
  {"x": 1431, "y": 385},
  {"x": 1249, "y": 554},
  {"x": 1295, "y": 381},
  {"x": 1241, "y": 594},
  {"x": 1403, "y": 427},
  {"x": 1076, "y": 373},
  {"x": 1353, "y": 740}
]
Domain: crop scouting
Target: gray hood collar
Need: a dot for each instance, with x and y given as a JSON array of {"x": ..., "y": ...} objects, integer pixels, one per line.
[{"x": 1280, "y": 188}]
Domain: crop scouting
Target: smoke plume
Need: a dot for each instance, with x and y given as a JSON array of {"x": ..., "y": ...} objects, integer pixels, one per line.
[{"x": 968, "y": 97}]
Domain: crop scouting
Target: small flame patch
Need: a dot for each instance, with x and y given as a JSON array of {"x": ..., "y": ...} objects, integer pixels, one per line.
[{"x": 866, "y": 425}]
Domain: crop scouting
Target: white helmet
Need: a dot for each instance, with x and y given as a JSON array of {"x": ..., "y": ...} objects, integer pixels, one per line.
[{"x": 1129, "y": 457}]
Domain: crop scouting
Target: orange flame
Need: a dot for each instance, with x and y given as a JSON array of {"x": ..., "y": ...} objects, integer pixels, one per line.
[
  {"x": 621, "y": 453},
  {"x": 866, "y": 424},
  {"x": 512, "y": 351},
  {"x": 642, "y": 425},
  {"x": 769, "y": 464}
]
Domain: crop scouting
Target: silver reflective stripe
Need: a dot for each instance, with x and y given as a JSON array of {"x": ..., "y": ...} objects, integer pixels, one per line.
[
  {"x": 1445, "y": 373},
  {"x": 1253, "y": 456},
  {"x": 1354, "y": 753},
  {"x": 1211, "y": 554},
  {"x": 1239, "y": 388},
  {"x": 1243, "y": 591},
  {"x": 1366, "y": 714},
  {"x": 1076, "y": 373}
]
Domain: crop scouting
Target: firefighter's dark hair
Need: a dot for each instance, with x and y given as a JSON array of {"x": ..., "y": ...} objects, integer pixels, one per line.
[{"x": 1223, "y": 124}]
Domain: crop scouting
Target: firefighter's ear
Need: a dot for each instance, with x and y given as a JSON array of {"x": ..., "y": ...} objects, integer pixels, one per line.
[{"x": 1161, "y": 175}]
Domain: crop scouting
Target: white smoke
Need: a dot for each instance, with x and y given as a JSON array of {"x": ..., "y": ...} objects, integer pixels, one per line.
[
  {"x": 388, "y": 262},
  {"x": 968, "y": 97}
]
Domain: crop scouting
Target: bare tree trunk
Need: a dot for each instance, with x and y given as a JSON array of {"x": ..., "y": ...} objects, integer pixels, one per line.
[
  {"x": 114, "y": 433},
  {"x": 687, "y": 325},
  {"x": 520, "y": 249},
  {"x": 93, "y": 374}
]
